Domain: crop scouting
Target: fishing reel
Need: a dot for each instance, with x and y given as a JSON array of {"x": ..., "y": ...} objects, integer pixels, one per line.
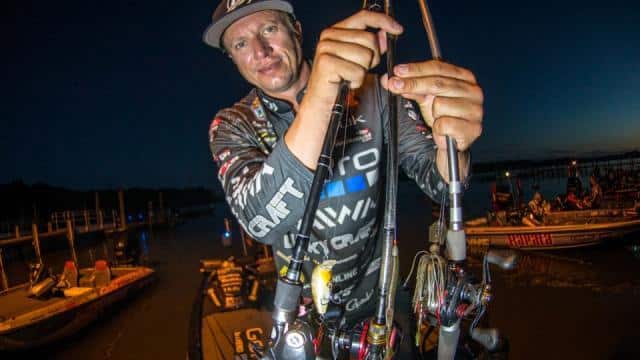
[
  {"x": 445, "y": 294},
  {"x": 327, "y": 337},
  {"x": 358, "y": 344},
  {"x": 319, "y": 329}
]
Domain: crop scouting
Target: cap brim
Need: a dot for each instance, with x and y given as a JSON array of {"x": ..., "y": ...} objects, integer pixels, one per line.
[{"x": 214, "y": 32}]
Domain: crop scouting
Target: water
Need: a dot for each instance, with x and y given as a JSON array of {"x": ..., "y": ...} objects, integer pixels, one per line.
[{"x": 557, "y": 305}]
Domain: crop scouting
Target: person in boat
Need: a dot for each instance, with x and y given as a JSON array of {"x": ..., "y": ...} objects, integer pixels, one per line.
[
  {"x": 573, "y": 202},
  {"x": 534, "y": 215},
  {"x": 574, "y": 184},
  {"x": 266, "y": 146},
  {"x": 496, "y": 203},
  {"x": 593, "y": 199}
]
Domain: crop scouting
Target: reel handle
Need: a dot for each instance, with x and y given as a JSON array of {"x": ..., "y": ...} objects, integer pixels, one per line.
[
  {"x": 504, "y": 259},
  {"x": 487, "y": 337}
]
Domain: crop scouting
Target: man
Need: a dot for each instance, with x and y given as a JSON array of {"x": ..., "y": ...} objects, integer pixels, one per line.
[
  {"x": 267, "y": 145},
  {"x": 535, "y": 211},
  {"x": 592, "y": 200}
]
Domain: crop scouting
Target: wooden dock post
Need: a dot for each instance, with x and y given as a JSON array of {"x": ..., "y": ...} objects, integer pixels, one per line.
[
  {"x": 243, "y": 239},
  {"x": 106, "y": 251},
  {"x": 150, "y": 213},
  {"x": 161, "y": 214},
  {"x": 5, "y": 281},
  {"x": 36, "y": 241},
  {"x": 71, "y": 237},
  {"x": 100, "y": 219},
  {"x": 97, "y": 195},
  {"x": 85, "y": 214},
  {"x": 123, "y": 213}
]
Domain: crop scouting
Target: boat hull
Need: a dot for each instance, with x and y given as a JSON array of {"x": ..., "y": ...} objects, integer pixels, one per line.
[
  {"x": 582, "y": 228},
  {"x": 66, "y": 316}
]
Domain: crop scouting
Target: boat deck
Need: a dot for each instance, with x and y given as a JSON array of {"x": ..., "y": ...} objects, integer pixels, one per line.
[
  {"x": 228, "y": 334},
  {"x": 17, "y": 301}
]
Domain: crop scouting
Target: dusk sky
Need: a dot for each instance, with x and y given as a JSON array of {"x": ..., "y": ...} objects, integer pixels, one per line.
[{"x": 121, "y": 93}]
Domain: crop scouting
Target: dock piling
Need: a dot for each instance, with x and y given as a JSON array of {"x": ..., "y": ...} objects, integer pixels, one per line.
[
  {"x": 71, "y": 238},
  {"x": 5, "y": 281},
  {"x": 123, "y": 213},
  {"x": 36, "y": 241},
  {"x": 85, "y": 213}
]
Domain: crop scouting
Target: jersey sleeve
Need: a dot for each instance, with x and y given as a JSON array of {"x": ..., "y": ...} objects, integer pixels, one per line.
[
  {"x": 265, "y": 187},
  {"x": 417, "y": 152},
  {"x": 416, "y": 148}
]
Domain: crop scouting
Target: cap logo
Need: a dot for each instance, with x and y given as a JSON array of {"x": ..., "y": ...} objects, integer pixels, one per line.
[{"x": 232, "y": 4}]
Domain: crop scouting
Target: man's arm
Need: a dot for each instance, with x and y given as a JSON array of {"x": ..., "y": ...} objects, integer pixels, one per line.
[
  {"x": 417, "y": 152},
  {"x": 265, "y": 189}
]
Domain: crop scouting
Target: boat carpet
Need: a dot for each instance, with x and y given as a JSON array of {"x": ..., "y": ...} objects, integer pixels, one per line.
[
  {"x": 228, "y": 335},
  {"x": 17, "y": 302}
]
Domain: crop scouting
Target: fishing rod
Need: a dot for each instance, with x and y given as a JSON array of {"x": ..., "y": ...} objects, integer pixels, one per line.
[
  {"x": 380, "y": 329},
  {"x": 292, "y": 338},
  {"x": 453, "y": 296}
]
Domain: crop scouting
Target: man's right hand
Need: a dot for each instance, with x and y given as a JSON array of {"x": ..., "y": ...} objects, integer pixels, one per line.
[{"x": 346, "y": 51}]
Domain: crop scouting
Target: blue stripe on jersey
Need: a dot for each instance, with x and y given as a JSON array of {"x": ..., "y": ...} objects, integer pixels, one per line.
[
  {"x": 356, "y": 183},
  {"x": 332, "y": 189}
]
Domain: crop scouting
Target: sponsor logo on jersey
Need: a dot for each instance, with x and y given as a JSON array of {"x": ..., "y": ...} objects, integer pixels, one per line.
[
  {"x": 328, "y": 217},
  {"x": 277, "y": 210}
]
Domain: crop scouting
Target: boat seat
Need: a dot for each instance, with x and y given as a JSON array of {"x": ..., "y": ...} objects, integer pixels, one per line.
[
  {"x": 69, "y": 276},
  {"x": 102, "y": 273}
]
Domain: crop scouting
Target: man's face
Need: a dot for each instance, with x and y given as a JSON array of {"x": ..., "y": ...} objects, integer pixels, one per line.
[{"x": 266, "y": 49}]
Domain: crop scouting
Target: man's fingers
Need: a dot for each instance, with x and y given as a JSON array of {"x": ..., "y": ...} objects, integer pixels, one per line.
[
  {"x": 463, "y": 131},
  {"x": 354, "y": 45},
  {"x": 433, "y": 68},
  {"x": 456, "y": 107},
  {"x": 368, "y": 19},
  {"x": 337, "y": 69},
  {"x": 438, "y": 86}
]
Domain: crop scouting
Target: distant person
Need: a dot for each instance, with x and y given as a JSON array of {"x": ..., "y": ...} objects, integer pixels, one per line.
[
  {"x": 535, "y": 211},
  {"x": 495, "y": 203},
  {"x": 574, "y": 184},
  {"x": 593, "y": 199},
  {"x": 572, "y": 201},
  {"x": 519, "y": 193}
]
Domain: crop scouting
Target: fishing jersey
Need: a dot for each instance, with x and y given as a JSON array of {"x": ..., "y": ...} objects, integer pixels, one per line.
[{"x": 267, "y": 187}]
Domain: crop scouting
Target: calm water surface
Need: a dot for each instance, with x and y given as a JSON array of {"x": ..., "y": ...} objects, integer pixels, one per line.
[{"x": 572, "y": 304}]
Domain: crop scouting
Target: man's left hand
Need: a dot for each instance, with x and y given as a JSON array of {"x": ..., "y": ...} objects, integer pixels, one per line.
[{"x": 449, "y": 98}]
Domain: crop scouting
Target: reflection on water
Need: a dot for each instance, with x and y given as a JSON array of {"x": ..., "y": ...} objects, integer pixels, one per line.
[
  {"x": 601, "y": 270},
  {"x": 635, "y": 250}
]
